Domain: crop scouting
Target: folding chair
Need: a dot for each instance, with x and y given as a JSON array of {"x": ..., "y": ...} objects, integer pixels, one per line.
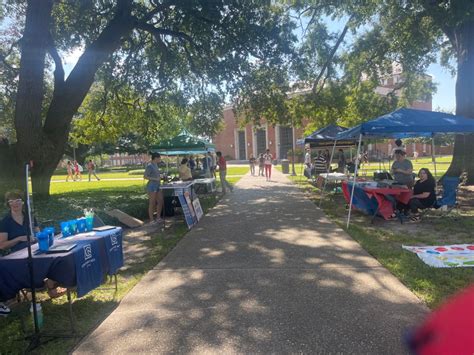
[{"x": 450, "y": 190}]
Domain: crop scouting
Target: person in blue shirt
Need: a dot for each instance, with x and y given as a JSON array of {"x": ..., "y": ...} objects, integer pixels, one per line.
[
  {"x": 13, "y": 227},
  {"x": 153, "y": 188},
  {"x": 13, "y": 231}
]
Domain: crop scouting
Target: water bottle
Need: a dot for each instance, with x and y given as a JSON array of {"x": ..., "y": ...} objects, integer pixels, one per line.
[{"x": 39, "y": 314}]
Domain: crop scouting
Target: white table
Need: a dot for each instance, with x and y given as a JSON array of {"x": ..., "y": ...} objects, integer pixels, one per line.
[{"x": 205, "y": 186}]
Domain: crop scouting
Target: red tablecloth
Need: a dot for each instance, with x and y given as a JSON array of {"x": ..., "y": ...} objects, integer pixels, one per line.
[{"x": 402, "y": 195}]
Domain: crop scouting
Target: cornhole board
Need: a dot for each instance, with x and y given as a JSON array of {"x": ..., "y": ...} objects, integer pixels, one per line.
[{"x": 124, "y": 218}]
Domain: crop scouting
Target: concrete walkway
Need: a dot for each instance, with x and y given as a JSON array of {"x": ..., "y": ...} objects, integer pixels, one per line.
[{"x": 264, "y": 272}]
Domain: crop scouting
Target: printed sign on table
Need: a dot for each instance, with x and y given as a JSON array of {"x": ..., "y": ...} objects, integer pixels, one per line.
[
  {"x": 187, "y": 211},
  {"x": 89, "y": 273},
  {"x": 198, "y": 209},
  {"x": 113, "y": 243}
]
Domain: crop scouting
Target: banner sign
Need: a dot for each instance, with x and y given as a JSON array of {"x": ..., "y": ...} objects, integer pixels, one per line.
[
  {"x": 198, "y": 209},
  {"x": 113, "y": 243},
  {"x": 89, "y": 273},
  {"x": 187, "y": 211}
]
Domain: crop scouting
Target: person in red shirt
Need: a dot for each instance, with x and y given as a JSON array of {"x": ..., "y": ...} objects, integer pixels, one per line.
[{"x": 221, "y": 163}]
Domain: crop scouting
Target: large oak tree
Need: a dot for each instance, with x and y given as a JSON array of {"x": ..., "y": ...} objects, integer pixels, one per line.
[
  {"x": 149, "y": 46},
  {"x": 412, "y": 33}
]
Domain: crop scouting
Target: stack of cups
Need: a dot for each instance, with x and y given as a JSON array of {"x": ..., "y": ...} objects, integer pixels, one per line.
[
  {"x": 43, "y": 240},
  {"x": 50, "y": 232},
  {"x": 89, "y": 214}
]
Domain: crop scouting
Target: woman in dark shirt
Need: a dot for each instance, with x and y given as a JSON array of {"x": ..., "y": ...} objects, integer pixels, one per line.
[
  {"x": 13, "y": 227},
  {"x": 13, "y": 230},
  {"x": 424, "y": 194}
]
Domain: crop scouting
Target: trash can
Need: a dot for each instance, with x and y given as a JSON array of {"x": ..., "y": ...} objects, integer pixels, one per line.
[{"x": 285, "y": 166}]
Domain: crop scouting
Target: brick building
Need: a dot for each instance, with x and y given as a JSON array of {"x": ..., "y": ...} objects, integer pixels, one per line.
[{"x": 238, "y": 143}]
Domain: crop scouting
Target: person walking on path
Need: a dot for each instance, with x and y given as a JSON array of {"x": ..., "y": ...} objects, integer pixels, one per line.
[
  {"x": 268, "y": 158},
  {"x": 252, "y": 164},
  {"x": 261, "y": 164},
  {"x": 70, "y": 170},
  {"x": 222, "y": 164},
  {"x": 77, "y": 170},
  {"x": 91, "y": 170},
  {"x": 153, "y": 188}
]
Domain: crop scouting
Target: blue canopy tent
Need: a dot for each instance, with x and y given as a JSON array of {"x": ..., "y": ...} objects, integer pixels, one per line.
[
  {"x": 325, "y": 137},
  {"x": 406, "y": 123}
]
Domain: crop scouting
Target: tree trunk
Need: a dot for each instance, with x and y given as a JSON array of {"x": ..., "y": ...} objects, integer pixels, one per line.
[
  {"x": 463, "y": 155},
  {"x": 44, "y": 144}
]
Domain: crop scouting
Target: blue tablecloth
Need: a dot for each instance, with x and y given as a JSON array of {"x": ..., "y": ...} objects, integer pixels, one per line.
[{"x": 95, "y": 255}]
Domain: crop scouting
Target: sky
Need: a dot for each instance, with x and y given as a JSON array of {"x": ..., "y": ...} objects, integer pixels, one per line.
[{"x": 445, "y": 98}]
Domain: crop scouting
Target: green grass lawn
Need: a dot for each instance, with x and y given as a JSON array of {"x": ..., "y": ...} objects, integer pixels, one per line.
[
  {"x": 68, "y": 201},
  {"x": 384, "y": 240},
  {"x": 231, "y": 170},
  {"x": 442, "y": 164}
]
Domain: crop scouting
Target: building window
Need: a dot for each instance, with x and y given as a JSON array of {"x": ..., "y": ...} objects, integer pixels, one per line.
[
  {"x": 242, "y": 145},
  {"x": 261, "y": 141},
  {"x": 286, "y": 141}
]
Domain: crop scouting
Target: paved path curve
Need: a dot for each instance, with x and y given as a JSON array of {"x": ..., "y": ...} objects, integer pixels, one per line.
[{"x": 264, "y": 272}]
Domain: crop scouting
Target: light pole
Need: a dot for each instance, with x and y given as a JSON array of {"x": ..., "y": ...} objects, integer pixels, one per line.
[{"x": 293, "y": 173}]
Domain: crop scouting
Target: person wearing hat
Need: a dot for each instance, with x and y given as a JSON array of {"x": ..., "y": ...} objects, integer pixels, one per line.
[{"x": 402, "y": 169}]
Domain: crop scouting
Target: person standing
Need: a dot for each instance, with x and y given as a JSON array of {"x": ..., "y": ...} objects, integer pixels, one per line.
[
  {"x": 341, "y": 162},
  {"x": 214, "y": 165},
  {"x": 252, "y": 164},
  {"x": 192, "y": 163},
  {"x": 70, "y": 169},
  {"x": 206, "y": 165},
  {"x": 222, "y": 164},
  {"x": 77, "y": 170},
  {"x": 267, "y": 160},
  {"x": 398, "y": 146},
  {"x": 320, "y": 164},
  {"x": 153, "y": 188},
  {"x": 91, "y": 170},
  {"x": 307, "y": 158},
  {"x": 261, "y": 164},
  {"x": 402, "y": 169}
]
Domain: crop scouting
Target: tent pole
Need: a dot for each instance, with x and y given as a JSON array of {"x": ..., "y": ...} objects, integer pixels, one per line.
[
  {"x": 433, "y": 155},
  {"x": 329, "y": 167},
  {"x": 354, "y": 181}
]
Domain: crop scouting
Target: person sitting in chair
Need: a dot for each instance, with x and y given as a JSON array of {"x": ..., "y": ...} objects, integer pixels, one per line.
[
  {"x": 424, "y": 195},
  {"x": 184, "y": 171},
  {"x": 402, "y": 169},
  {"x": 13, "y": 231}
]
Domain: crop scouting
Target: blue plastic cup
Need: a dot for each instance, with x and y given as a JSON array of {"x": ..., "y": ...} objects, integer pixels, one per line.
[
  {"x": 81, "y": 225},
  {"x": 43, "y": 240},
  {"x": 50, "y": 232},
  {"x": 89, "y": 223},
  {"x": 73, "y": 226},
  {"x": 65, "y": 229}
]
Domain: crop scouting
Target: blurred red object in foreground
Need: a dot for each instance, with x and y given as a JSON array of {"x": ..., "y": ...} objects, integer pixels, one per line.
[{"x": 448, "y": 330}]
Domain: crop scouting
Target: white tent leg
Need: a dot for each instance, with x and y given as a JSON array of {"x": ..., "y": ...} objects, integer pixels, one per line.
[
  {"x": 354, "y": 182},
  {"x": 326, "y": 180},
  {"x": 433, "y": 155}
]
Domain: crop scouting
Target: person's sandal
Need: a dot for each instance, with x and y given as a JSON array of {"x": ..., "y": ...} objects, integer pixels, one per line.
[
  {"x": 56, "y": 292},
  {"x": 415, "y": 219}
]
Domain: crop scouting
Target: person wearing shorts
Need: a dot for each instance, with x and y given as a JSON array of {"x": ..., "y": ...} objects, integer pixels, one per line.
[
  {"x": 268, "y": 158},
  {"x": 155, "y": 194}
]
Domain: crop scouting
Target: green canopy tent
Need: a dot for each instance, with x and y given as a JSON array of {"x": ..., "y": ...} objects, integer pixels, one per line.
[{"x": 183, "y": 144}]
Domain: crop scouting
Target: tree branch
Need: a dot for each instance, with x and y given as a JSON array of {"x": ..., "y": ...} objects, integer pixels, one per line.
[
  {"x": 156, "y": 32},
  {"x": 331, "y": 55},
  {"x": 58, "y": 70}
]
